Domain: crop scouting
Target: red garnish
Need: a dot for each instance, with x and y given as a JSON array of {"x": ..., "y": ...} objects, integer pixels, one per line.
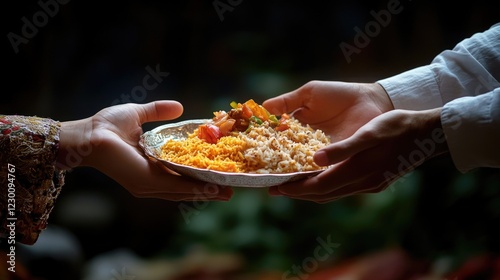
[
  {"x": 283, "y": 123},
  {"x": 239, "y": 119},
  {"x": 209, "y": 133}
]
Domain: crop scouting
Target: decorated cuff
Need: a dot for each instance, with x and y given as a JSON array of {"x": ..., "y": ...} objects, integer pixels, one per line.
[{"x": 30, "y": 182}]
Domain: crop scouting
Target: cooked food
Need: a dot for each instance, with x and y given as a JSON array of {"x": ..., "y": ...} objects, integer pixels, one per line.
[{"x": 249, "y": 139}]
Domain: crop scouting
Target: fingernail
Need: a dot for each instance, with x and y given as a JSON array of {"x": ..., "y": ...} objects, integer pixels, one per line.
[{"x": 321, "y": 158}]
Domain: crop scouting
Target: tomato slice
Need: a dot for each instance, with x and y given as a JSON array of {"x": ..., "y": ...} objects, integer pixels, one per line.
[{"x": 209, "y": 133}]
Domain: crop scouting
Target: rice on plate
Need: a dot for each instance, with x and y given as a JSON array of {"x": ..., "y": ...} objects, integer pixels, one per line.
[{"x": 248, "y": 139}]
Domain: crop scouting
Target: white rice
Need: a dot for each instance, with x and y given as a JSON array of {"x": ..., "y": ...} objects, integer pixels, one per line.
[{"x": 291, "y": 150}]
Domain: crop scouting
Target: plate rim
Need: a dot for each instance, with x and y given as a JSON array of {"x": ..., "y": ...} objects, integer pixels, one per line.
[{"x": 289, "y": 176}]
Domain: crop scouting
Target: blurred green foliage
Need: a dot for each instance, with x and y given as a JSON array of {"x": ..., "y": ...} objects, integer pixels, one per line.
[{"x": 433, "y": 212}]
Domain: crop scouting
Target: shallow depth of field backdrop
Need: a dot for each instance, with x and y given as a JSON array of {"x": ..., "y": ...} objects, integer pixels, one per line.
[{"x": 69, "y": 59}]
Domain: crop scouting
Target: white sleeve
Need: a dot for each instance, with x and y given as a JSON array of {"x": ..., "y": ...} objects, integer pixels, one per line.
[
  {"x": 470, "y": 69},
  {"x": 472, "y": 129},
  {"x": 465, "y": 82}
]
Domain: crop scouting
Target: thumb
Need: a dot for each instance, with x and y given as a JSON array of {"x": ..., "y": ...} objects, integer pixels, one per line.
[
  {"x": 159, "y": 111},
  {"x": 342, "y": 150},
  {"x": 284, "y": 103}
]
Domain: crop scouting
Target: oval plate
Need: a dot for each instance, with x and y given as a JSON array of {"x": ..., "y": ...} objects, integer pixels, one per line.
[{"x": 152, "y": 141}]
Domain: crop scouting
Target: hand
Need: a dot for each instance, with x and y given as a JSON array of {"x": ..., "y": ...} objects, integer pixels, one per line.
[
  {"x": 337, "y": 108},
  {"x": 108, "y": 141},
  {"x": 383, "y": 150}
]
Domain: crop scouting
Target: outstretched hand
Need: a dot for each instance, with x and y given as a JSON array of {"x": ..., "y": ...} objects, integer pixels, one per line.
[
  {"x": 372, "y": 144},
  {"x": 380, "y": 152},
  {"x": 337, "y": 108},
  {"x": 108, "y": 141}
]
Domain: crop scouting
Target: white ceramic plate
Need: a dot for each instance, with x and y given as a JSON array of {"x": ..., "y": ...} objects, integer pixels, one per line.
[{"x": 152, "y": 141}]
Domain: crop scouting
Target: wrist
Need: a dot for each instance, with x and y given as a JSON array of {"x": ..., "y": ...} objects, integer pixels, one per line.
[
  {"x": 434, "y": 131},
  {"x": 381, "y": 98},
  {"x": 74, "y": 144}
]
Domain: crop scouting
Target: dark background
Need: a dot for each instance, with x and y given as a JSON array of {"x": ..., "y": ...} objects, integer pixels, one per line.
[{"x": 91, "y": 53}]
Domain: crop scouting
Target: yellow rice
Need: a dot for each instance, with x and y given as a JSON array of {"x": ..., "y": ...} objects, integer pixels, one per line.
[{"x": 261, "y": 150}]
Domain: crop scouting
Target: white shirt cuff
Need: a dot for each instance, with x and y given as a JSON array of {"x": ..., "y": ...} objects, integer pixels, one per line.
[
  {"x": 415, "y": 89},
  {"x": 471, "y": 126}
]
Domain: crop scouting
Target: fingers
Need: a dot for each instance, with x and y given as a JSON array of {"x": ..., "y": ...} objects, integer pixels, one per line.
[
  {"x": 286, "y": 103},
  {"x": 182, "y": 188},
  {"x": 189, "y": 190},
  {"x": 349, "y": 190},
  {"x": 360, "y": 173},
  {"x": 319, "y": 192},
  {"x": 154, "y": 182},
  {"x": 143, "y": 178},
  {"x": 326, "y": 182},
  {"x": 340, "y": 151},
  {"x": 158, "y": 111}
]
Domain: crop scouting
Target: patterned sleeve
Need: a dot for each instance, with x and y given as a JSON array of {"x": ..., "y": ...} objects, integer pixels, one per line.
[{"x": 29, "y": 180}]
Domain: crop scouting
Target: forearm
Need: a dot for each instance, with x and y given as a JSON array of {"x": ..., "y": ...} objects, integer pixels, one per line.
[
  {"x": 434, "y": 134},
  {"x": 75, "y": 148}
]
